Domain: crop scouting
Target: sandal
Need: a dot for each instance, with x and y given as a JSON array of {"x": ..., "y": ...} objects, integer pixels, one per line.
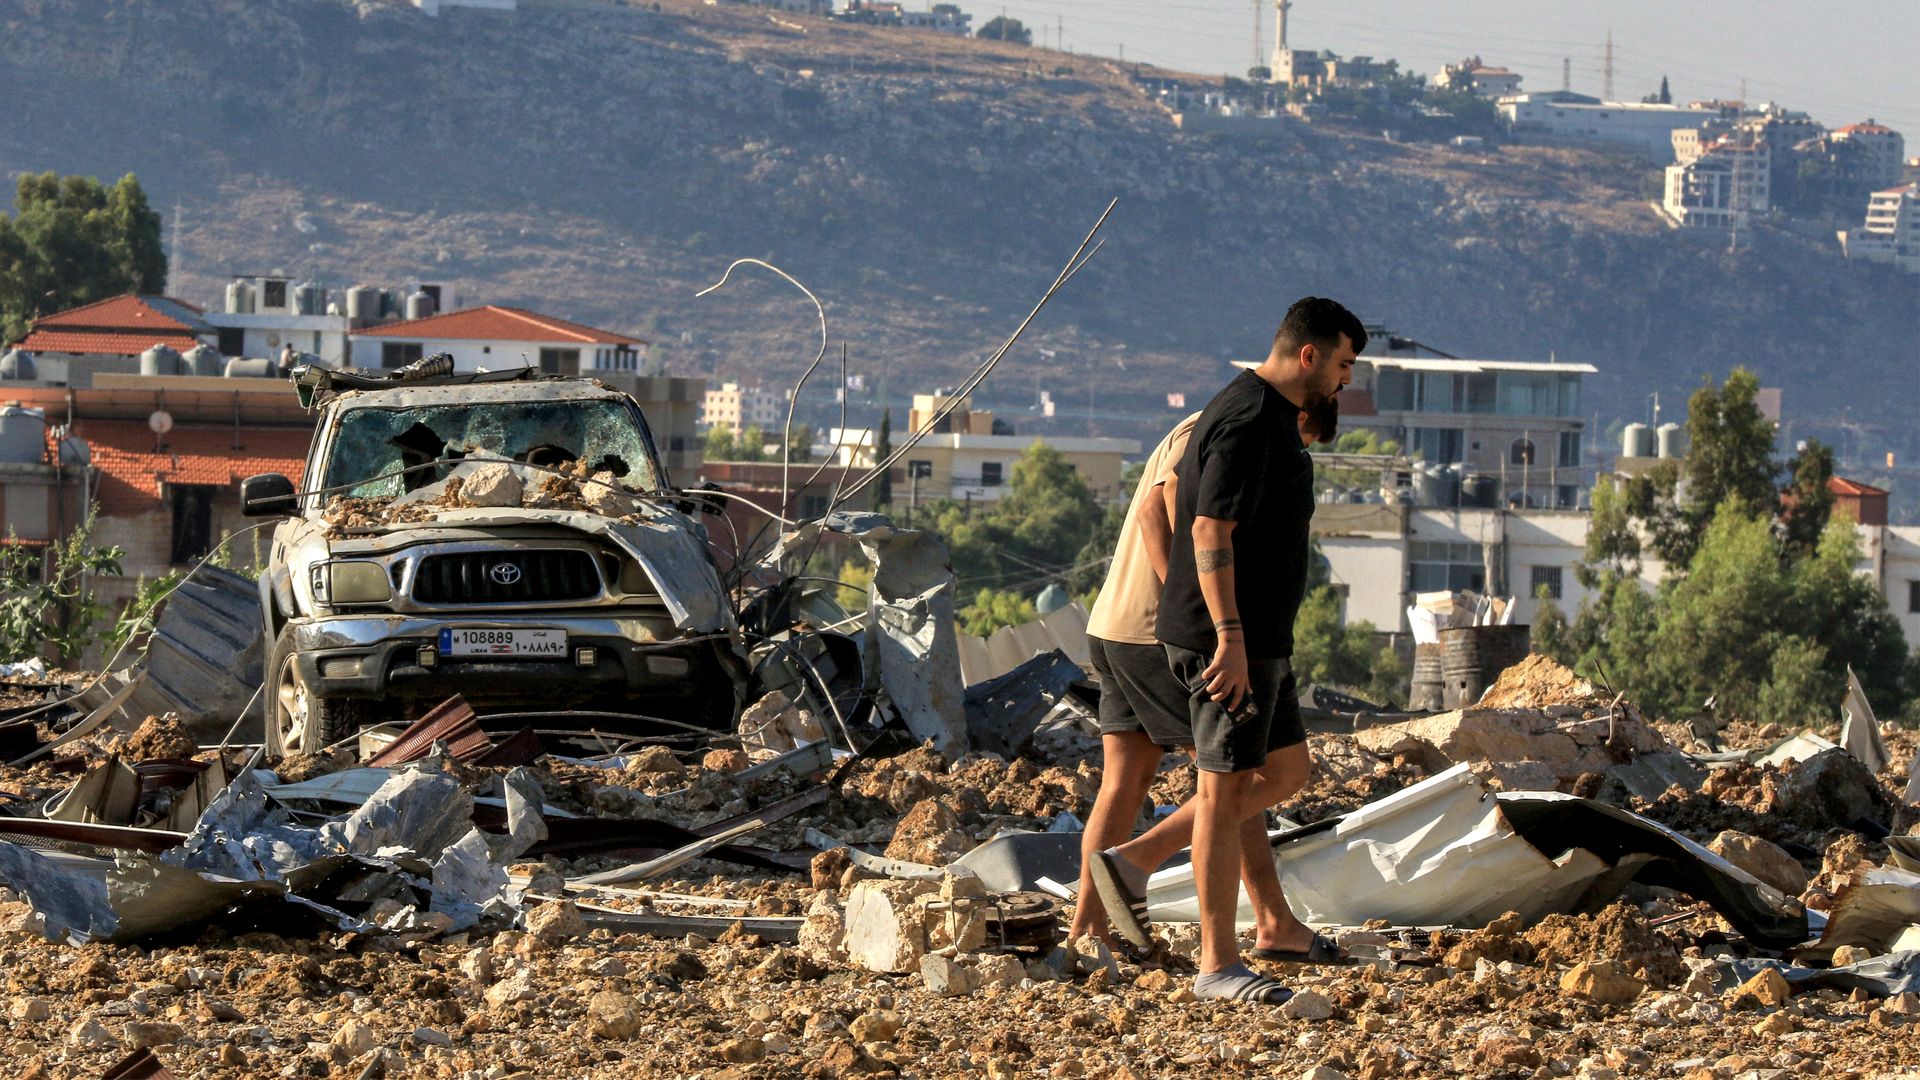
[{"x": 1321, "y": 950}]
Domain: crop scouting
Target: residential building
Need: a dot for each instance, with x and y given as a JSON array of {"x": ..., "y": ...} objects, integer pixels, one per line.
[
  {"x": 941, "y": 19},
  {"x": 1515, "y": 422},
  {"x": 759, "y": 483},
  {"x": 1356, "y": 70},
  {"x": 737, "y": 408},
  {"x": 1882, "y": 150},
  {"x": 1641, "y": 126},
  {"x": 435, "y": 7},
  {"x": 109, "y": 336},
  {"x": 1291, "y": 66},
  {"x": 1474, "y": 77},
  {"x": 799, "y": 7},
  {"x": 1725, "y": 184},
  {"x": 969, "y": 456},
  {"x": 1690, "y": 143},
  {"x": 495, "y": 338},
  {"x": 263, "y": 315},
  {"x": 1891, "y": 557},
  {"x": 1864, "y": 504},
  {"x": 1891, "y": 233},
  {"x": 672, "y": 407}
]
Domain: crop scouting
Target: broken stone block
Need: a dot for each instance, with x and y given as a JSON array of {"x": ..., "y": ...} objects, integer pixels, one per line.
[
  {"x": 355, "y": 1038},
  {"x": 885, "y": 931},
  {"x": 655, "y": 759},
  {"x": 743, "y": 1051},
  {"x": 725, "y": 761},
  {"x": 929, "y": 834},
  {"x": 947, "y": 977},
  {"x": 1506, "y": 1051},
  {"x": 477, "y": 965},
  {"x": 999, "y": 969},
  {"x": 1768, "y": 987},
  {"x": 1517, "y": 775},
  {"x": 556, "y": 921},
  {"x": 32, "y": 1010},
  {"x": 1761, "y": 858},
  {"x": 1566, "y": 740},
  {"x": 823, "y": 935},
  {"x": 875, "y": 1027},
  {"x": 956, "y": 917},
  {"x": 160, "y": 737},
  {"x": 828, "y": 867},
  {"x": 1308, "y": 1005},
  {"x": 614, "y": 1016},
  {"x": 140, "y": 1034},
  {"x": 1848, "y": 955},
  {"x": 517, "y": 987},
  {"x": 1604, "y": 981},
  {"x": 1833, "y": 790},
  {"x": 90, "y": 1034},
  {"x": 492, "y": 484},
  {"x": 603, "y": 495}
]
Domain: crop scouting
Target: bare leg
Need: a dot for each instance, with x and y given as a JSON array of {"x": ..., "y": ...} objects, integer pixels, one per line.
[
  {"x": 1220, "y": 805},
  {"x": 1127, "y": 767}
]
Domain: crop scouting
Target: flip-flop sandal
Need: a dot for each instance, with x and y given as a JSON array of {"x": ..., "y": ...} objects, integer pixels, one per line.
[
  {"x": 1126, "y": 909},
  {"x": 1321, "y": 950}
]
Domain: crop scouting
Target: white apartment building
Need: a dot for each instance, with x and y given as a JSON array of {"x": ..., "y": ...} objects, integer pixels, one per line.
[
  {"x": 1891, "y": 233},
  {"x": 496, "y": 338},
  {"x": 1646, "y": 127},
  {"x": 943, "y": 19},
  {"x": 1727, "y": 182},
  {"x": 1884, "y": 148},
  {"x": 736, "y": 408},
  {"x": 1472, "y": 76}
]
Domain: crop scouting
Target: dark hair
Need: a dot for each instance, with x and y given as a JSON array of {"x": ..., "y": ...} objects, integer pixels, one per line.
[
  {"x": 1323, "y": 419},
  {"x": 1317, "y": 321}
]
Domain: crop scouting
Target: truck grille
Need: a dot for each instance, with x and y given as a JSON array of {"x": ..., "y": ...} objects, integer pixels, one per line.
[{"x": 506, "y": 577}]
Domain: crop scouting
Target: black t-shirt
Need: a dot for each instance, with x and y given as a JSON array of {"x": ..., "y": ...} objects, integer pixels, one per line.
[{"x": 1244, "y": 464}]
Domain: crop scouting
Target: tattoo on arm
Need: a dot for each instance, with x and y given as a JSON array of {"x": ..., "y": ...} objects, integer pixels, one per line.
[
  {"x": 1227, "y": 624},
  {"x": 1212, "y": 560}
]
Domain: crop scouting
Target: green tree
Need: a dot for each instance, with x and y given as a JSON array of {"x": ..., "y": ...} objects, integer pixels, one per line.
[
  {"x": 1808, "y": 502},
  {"x": 883, "y": 449},
  {"x": 1001, "y": 28},
  {"x": 1327, "y": 651},
  {"x": 720, "y": 445},
  {"x": 72, "y": 241},
  {"x": 800, "y": 443},
  {"x": 751, "y": 445},
  {"x": 1729, "y": 457},
  {"x": 994, "y": 608},
  {"x": 51, "y": 611}
]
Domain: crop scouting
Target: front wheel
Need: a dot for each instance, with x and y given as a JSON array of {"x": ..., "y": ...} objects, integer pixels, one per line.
[{"x": 298, "y": 722}]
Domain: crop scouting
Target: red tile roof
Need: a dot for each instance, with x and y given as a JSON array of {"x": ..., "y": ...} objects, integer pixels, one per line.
[
  {"x": 496, "y": 323},
  {"x": 107, "y": 344},
  {"x": 1840, "y": 485},
  {"x": 122, "y": 326},
  {"x": 1864, "y": 129},
  {"x": 132, "y": 472}
]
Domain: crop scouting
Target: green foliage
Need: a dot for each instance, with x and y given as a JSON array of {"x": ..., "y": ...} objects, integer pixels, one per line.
[
  {"x": 1332, "y": 653},
  {"x": 72, "y": 241},
  {"x": 856, "y": 577},
  {"x": 1808, "y": 503},
  {"x": 1552, "y": 635},
  {"x": 994, "y": 608},
  {"x": 749, "y": 445},
  {"x": 1090, "y": 565},
  {"x": 882, "y": 449},
  {"x": 1001, "y": 28},
  {"x": 54, "y": 611},
  {"x": 1730, "y": 457},
  {"x": 140, "y": 613}
]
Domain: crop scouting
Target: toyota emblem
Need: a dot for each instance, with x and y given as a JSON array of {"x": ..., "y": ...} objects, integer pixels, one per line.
[{"x": 504, "y": 573}]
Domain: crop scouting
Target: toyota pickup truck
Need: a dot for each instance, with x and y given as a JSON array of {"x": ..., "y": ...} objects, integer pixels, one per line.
[{"x": 510, "y": 537}]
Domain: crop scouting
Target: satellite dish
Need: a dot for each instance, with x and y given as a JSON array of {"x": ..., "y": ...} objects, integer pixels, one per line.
[
  {"x": 273, "y": 341},
  {"x": 161, "y": 422}
]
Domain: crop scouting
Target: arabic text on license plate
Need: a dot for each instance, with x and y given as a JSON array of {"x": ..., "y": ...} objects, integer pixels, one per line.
[{"x": 476, "y": 641}]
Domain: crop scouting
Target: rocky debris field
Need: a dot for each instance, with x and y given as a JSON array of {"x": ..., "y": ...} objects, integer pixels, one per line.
[{"x": 899, "y": 977}]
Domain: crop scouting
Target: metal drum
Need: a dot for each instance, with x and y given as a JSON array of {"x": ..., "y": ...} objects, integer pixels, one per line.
[
  {"x": 1472, "y": 658},
  {"x": 1428, "y": 692}
]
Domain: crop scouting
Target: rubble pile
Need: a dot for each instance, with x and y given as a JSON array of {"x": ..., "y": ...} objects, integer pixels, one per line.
[{"x": 773, "y": 910}]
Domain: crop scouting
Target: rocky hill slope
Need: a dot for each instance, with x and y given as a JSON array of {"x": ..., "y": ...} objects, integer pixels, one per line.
[{"x": 607, "y": 162}]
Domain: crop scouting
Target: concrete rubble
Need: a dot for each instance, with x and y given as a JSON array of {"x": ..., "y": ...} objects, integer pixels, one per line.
[{"x": 787, "y": 904}]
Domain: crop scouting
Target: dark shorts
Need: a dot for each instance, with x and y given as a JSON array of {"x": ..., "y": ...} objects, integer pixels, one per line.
[
  {"x": 1139, "y": 693},
  {"x": 1224, "y": 745}
]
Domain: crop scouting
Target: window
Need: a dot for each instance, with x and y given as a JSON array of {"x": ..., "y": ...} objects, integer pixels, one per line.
[
  {"x": 273, "y": 294},
  {"x": 1393, "y": 389},
  {"x": 560, "y": 361},
  {"x": 1913, "y": 597},
  {"x": 192, "y": 520},
  {"x": 399, "y": 353},
  {"x": 990, "y": 474},
  {"x": 919, "y": 470},
  {"x": 233, "y": 341},
  {"x": 1520, "y": 452},
  {"x": 1548, "y": 578},
  {"x": 1436, "y": 566},
  {"x": 1440, "y": 446},
  {"x": 1569, "y": 449}
]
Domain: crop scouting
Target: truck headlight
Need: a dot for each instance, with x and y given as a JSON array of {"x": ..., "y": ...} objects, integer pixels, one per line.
[{"x": 350, "y": 582}]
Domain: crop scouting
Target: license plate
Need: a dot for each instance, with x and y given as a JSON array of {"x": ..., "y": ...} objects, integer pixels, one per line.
[{"x": 476, "y": 641}]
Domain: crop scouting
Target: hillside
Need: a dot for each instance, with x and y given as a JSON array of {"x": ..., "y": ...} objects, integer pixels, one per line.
[{"x": 605, "y": 164}]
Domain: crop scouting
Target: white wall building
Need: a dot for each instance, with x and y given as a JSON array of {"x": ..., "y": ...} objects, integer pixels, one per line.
[
  {"x": 1646, "y": 127},
  {"x": 434, "y": 7},
  {"x": 497, "y": 338},
  {"x": 736, "y": 408},
  {"x": 1892, "y": 230},
  {"x": 1474, "y": 77},
  {"x": 1884, "y": 148},
  {"x": 1726, "y": 183}
]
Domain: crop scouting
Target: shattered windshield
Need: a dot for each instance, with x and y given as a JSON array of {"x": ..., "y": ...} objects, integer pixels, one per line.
[{"x": 372, "y": 442}]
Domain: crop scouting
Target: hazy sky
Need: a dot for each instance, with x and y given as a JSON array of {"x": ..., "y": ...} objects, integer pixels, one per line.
[{"x": 1840, "y": 60}]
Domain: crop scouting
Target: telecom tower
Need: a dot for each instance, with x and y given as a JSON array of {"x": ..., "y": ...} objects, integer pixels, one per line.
[{"x": 1606, "y": 71}]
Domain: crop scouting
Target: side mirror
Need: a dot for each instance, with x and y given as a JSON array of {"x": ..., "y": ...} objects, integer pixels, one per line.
[{"x": 266, "y": 495}]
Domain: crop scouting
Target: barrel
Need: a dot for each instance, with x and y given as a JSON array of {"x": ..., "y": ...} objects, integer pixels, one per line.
[
  {"x": 1472, "y": 657},
  {"x": 1428, "y": 692}
]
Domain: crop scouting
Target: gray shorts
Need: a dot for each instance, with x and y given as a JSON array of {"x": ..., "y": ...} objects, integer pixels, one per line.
[
  {"x": 1223, "y": 744},
  {"x": 1139, "y": 693}
]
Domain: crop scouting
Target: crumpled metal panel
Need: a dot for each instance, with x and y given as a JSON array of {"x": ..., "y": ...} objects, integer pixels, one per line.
[{"x": 205, "y": 655}]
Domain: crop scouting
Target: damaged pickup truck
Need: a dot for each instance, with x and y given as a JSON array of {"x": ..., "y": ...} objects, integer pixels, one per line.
[{"x": 508, "y": 536}]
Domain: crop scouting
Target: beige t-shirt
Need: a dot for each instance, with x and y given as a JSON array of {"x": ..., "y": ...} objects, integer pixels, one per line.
[{"x": 1130, "y": 599}]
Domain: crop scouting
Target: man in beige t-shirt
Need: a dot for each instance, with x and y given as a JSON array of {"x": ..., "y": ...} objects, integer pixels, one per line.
[{"x": 1143, "y": 705}]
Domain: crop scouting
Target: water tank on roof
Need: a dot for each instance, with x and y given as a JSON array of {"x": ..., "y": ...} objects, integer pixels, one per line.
[
  {"x": 1480, "y": 491},
  {"x": 306, "y": 299},
  {"x": 1636, "y": 441},
  {"x": 1051, "y": 599},
  {"x": 1435, "y": 486},
  {"x": 419, "y": 305},
  {"x": 251, "y": 368},
  {"x": 239, "y": 298},
  {"x": 23, "y": 435},
  {"x": 1671, "y": 440},
  {"x": 363, "y": 303},
  {"x": 75, "y": 452},
  {"x": 17, "y": 364},
  {"x": 203, "y": 359},
  {"x": 160, "y": 360}
]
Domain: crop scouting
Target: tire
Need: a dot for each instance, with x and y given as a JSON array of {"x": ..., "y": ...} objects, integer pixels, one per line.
[{"x": 298, "y": 722}]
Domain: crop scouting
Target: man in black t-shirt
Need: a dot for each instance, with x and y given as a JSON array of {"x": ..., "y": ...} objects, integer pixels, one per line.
[{"x": 1243, "y": 496}]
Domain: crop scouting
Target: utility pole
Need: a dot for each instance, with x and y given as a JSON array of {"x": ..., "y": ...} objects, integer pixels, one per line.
[
  {"x": 173, "y": 247},
  {"x": 1257, "y": 5},
  {"x": 1566, "y": 73},
  {"x": 1606, "y": 92}
]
